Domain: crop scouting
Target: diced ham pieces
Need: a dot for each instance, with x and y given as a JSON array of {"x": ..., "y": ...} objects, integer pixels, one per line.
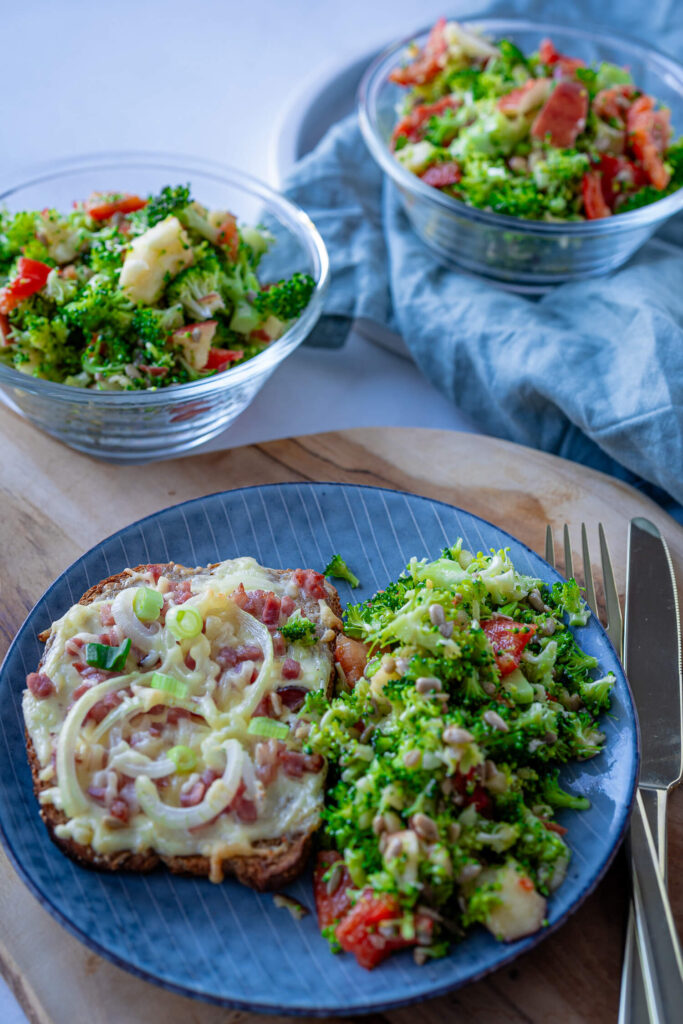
[
  {"x": 525, "y": 99},
  {"x": 311, "y": 582},
  {"x": 40, "y": 685},
  {"x": 291, "y": 669},
  {"x": 563, "y": 116},
  {"x": 292, "y": 697}
]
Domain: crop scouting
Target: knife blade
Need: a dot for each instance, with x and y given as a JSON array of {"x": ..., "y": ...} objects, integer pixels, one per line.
[
  {"x": 652, "y": 657},
  {"x": 652, "y": 650}
]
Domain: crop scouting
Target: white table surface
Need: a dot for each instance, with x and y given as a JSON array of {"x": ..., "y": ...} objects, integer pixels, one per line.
[{"x": 211, "y": 78}]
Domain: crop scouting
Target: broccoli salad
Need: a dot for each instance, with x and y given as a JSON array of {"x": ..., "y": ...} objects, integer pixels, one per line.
[
  {"x": 464, "y": 692},
  {"x": 126, "y": 293},
  {"x": 544, "y": 136}
]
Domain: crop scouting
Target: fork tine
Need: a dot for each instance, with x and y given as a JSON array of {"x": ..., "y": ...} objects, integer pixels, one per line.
[
  {"x": 549, "y": 546},
  {"x": 615, "y": 622},
  {"x": 588, "y": 571},
  {"x": 568, "y": 565}
]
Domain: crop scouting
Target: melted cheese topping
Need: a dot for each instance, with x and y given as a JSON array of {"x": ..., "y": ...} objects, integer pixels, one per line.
[{"x": 102, "y": 738}]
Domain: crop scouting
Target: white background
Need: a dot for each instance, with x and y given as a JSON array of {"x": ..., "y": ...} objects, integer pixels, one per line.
[{"x": 212, "y": 79}]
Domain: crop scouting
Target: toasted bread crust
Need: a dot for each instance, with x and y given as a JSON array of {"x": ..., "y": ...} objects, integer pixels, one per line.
[{"x": 274, "y": 862}]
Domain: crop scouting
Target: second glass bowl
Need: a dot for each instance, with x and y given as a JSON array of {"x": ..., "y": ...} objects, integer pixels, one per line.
[{"x": 523, "y": 255}]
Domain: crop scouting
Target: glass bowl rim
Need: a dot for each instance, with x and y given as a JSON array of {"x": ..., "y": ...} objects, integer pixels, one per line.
[
  {"x": 221, "y": 173},
  {"x": 375, "y": 76}
]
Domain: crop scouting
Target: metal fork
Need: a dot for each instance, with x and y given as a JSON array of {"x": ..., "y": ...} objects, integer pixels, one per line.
[
  {"x": 633, "y": 1002},
  {"x": 614, "y": 625}
]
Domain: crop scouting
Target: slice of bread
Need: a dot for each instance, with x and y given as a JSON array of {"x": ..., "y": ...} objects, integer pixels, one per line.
[{"x": 268, "y": 862}]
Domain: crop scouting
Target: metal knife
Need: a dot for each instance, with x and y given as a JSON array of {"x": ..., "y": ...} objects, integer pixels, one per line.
[{"x": 652, "y": 977}]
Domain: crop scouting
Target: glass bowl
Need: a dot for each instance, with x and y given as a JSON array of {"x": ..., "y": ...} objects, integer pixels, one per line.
[
  {"x": 136, "y": 426},
  {"x": 523, "y": 255}
]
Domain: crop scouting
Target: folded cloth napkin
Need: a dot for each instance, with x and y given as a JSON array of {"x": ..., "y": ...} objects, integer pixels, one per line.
[{"x": 592, "y": 371}]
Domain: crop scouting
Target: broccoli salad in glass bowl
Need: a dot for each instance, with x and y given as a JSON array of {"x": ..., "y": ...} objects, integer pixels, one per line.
[
  {"x": 125, "y": 293},
  {"x": 541, "y": 136},
  {"x": 465, "y": 691}
]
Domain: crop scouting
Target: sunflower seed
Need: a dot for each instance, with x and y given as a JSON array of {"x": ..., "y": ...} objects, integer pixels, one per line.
[
  {"x": 411, "y": 758},
  {"x": 424, "y": 826},
  {"x": 379, "y": 825},
  {"x": 468, "y": 873},
  {"x": 454, "y": 831},
  {"x": 335, "y": 877},
  {"x": 393, "y": 848},
  {"x": 436, "y": 614},
  {"x": 426, "y": 684},
  {"x": 454, "y": 735},
  {"x": 446, "y": 629},
  {"x": 493, "y": 719}
]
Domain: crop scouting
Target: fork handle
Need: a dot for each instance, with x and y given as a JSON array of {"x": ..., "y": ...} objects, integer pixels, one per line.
[
  {"x": 633, "y": 1008},
  {"x": 657, "y": 939}
]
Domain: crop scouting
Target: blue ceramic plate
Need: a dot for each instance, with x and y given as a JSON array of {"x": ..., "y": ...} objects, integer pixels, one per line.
[{"x": 225, "y": 943}]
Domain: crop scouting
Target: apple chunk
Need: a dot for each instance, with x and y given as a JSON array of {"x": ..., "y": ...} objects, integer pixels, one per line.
[
  {"x": 521, "y": 910},
  {"x": 195, "y": 341}
]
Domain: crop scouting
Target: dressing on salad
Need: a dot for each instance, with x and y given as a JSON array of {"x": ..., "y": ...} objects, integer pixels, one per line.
[
  {"x": 544, "y": 136},
  {"x": 465, "y": 692},
  {"x": 126, "y": 293}
]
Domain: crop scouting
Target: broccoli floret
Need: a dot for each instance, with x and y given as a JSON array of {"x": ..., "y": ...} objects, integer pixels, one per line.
[
  {"x": 510, "y": 57},
  {"x": 362, "y": 620},
  {"x": 596, "y": 692},
  {"x": 60, "y": 289},
  {"x": 580, "y": 737},
  {"x": 554, "y": 795},
  {"x": 566, "y": 597},
  {"x": 299, "y": 630},
  {"x": 589, "y": 77},
  {"x": 40, "y": 345},
  {"x": 107, "y": 252},
  {"x": 198, "y": 288},
  {"x": 169, "y": 201},
  {"x": 18, "y": 237},
  {"x": 576, "y": 666},
  {"x": 101, "y": 305},
  {"x": 338, "y": 569},
  {"x": 329, "y": 932},
  {"x": 153, "y": 326},
  {"x": 287, "y": 299},
  {"x": 316, "y": 703},
  {"x": 611, "y": 74}
]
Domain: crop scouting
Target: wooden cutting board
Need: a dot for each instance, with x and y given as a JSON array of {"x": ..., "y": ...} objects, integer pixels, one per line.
[{"x": 55, "y": 504}]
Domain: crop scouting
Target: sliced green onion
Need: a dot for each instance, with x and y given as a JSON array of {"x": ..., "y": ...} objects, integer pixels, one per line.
[
  {"x": 183, "y": 757},
  {"x": 147, "y": 604},
  {"x": 184, "y": 623},
  {"x": 113, "y": 659},
  {"x": 160, "y": 681},
  {"x": 267, "y": 727}
]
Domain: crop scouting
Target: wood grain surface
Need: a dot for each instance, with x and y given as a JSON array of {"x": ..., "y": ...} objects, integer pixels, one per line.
[{"x": 55, "y": 504}]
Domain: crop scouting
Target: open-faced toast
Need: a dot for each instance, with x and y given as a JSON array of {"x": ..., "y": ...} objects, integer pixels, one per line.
[{"x": 184, "y": 745}]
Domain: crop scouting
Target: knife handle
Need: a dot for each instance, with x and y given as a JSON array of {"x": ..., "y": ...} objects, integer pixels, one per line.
[
  {"x": 633, "y": 1008},
  {"x": 658, "y": 945}
]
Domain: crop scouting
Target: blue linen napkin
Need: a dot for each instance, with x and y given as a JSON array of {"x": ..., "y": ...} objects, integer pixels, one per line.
[{"x": 592, "y": 371}]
